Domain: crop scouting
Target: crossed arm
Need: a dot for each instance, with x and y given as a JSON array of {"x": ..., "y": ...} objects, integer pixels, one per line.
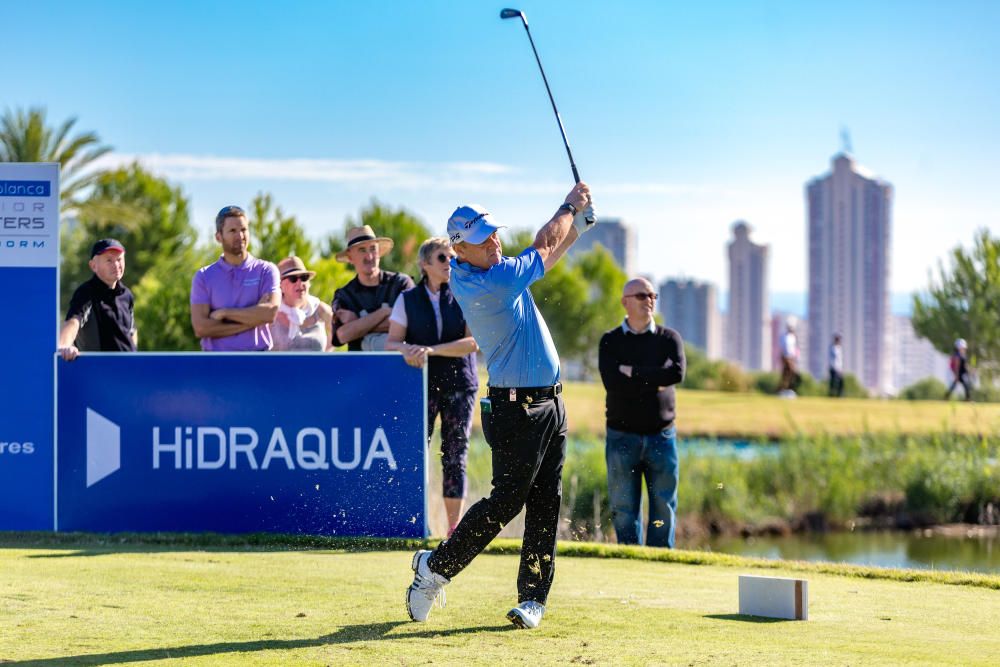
[
  {"x": 222, "y": 322},
  {"x": 352, "y": 328}
]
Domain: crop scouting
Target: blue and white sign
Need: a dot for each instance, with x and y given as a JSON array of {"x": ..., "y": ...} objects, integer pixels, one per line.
[
  {"x": 29, "y": 214},
  {"x": 29, "y": 259},
  {"x": 328, "y": 444}
]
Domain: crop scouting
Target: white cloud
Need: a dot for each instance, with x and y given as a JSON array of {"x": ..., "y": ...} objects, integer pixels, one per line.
[{"x": 379, "y": 175}]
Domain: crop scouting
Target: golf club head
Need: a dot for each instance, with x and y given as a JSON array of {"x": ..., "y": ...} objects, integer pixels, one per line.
[{"x": 513, "y": 13}]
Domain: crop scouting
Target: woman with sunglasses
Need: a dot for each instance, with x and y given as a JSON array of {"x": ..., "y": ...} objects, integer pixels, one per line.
[
  {"x": 303, "y": 323},
  {"x": 428, "y": 327}
]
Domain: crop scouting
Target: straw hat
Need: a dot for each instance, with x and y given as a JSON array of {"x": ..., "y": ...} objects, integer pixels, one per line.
[
  {"x": 363, "y": 234},
  {"x": 293, "y": 266}
]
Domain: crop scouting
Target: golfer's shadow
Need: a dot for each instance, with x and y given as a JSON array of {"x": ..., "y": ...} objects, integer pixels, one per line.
[{"x": 348, "y": 634}]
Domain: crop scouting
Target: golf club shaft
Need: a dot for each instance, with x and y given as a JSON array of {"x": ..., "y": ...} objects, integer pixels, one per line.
[{"x": 562, "y": 130}]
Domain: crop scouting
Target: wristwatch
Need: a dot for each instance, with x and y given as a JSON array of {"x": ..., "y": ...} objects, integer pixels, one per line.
[{"x": 568, "y": 207}]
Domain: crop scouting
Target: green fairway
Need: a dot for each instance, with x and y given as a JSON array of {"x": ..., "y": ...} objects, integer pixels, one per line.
[
  {"x": 722, "y": 414},
  {"x": 99, "y": 603}
]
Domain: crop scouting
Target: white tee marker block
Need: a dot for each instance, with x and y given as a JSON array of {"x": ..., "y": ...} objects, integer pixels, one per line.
[{"x": 774, "y": 597}]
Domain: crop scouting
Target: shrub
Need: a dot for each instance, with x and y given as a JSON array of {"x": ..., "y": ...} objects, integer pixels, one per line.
[{"x": 928, "y": 389}]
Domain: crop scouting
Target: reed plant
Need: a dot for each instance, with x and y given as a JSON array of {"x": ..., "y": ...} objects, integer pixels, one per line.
[{"x": 804, "y": 482}]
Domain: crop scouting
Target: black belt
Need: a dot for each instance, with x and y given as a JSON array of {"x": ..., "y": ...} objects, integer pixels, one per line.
[{"x": 528, "y": 394}]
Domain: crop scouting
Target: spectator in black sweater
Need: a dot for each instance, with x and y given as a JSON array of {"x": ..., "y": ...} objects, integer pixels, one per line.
[{"x": 639, "y": 363}]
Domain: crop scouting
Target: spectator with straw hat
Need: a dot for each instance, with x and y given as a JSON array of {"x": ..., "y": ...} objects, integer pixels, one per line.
[
  {"x": 362, "y": 306},
  {"x": 303, "y": 323}
]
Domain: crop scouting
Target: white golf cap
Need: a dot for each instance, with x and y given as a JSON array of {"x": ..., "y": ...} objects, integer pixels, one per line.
[{"x": 471, "y": 224}]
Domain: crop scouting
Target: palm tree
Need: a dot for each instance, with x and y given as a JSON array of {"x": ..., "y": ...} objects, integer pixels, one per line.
[{"x": 26, "y": 137}]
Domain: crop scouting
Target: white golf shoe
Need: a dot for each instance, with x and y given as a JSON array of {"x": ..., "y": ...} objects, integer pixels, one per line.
[
  {"x": 427, "y": 587},
  {"x": 526, "y": 615}
]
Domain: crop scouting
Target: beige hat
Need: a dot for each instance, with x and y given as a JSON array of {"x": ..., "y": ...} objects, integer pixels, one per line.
[
  {"x": 293, "y": 266},
  {"x": 362, "y": 234}
]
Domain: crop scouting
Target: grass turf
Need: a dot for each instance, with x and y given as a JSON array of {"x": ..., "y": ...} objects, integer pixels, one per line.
[
  {"x": 206, "y": 601},
  {"x": 758, "y": 416}
]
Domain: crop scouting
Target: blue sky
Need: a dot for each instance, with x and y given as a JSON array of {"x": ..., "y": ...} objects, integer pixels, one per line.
[{"x": 682, "y": 118}]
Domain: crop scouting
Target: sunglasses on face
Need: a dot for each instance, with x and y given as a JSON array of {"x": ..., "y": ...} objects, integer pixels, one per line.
[
  {"x": 443, "y": 258},
  {"x": 643, "y": 296},
  {"x": 295, "y": 279}
]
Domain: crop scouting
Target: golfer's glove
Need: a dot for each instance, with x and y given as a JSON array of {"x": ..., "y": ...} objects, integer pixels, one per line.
[{"x": 584, "y": 219}]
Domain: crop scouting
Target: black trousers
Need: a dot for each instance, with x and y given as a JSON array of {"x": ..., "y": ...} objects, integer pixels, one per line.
[
  {"x": 962, "y": 379},
  {"x": 528, "y": 441},
  {"x": 836, "y": 383}
]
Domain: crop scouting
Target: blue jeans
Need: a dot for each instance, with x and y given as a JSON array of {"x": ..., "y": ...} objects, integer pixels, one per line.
[{"x": 630, "y": 457}]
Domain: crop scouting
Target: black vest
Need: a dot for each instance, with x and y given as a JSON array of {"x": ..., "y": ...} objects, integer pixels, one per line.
[{"x": 443, "y": 373}]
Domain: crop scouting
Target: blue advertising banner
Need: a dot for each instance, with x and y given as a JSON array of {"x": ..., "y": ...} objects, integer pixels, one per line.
[
  {"x": 326, "y": 444},
  {"x": 29, "y": 259}
]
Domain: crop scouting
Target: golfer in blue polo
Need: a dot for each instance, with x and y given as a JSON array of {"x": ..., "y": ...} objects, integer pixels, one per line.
[{"x": 524, "y": 418}]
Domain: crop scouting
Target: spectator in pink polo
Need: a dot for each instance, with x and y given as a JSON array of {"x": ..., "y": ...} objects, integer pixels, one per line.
[{"x": 234, "y": 300}]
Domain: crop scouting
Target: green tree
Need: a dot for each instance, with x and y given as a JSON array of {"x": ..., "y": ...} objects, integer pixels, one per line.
[
  {"x": 25, "y": 136},
  {"x": 275, "y": 235},
  {"x": 163, "y": 298},
  {"x": 964, "y": 302},
  {"x": 148, "y": 215},
  {"x": 405, "y": 229}
]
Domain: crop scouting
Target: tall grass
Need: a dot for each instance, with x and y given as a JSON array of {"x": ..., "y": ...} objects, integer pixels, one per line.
[{"x": 806, "y": 482}]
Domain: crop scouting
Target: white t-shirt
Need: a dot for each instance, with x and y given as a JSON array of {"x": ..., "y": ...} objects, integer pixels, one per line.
[
  {"x": 398, "y": 314},
  {"x": 837, "y": 358},
  {"x": 790, "y": 346}
]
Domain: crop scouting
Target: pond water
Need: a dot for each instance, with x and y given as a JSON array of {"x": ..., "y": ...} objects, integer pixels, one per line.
[
  {"x": 916, "y": 549},
  {"x": 741, "y": 449}
]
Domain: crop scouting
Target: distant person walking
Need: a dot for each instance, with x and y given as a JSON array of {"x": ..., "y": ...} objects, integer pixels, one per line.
[
  {"x": 524, "y": 418},
  {"x": 101, "y": 316},
  {"x": 235, "y": 299},
  {"x": 428, "y": 327},
  {"x": 836, "y": 367},
  {"x": 640, "y": 362},
  {"x": 959, "y": 364},
  {"x": 789, "y": 360}
]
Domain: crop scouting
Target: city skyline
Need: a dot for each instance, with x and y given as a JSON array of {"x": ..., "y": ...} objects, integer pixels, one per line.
[
  {"x": 850, "y": 231},
  {"x": 704, "y": 115},
  {"x": 748, "y": 320}
]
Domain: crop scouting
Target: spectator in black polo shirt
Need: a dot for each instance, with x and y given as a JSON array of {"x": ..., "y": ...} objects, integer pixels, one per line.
[
  {"x": 101, "y": 315},
  {"x": 639, "y": 363}
]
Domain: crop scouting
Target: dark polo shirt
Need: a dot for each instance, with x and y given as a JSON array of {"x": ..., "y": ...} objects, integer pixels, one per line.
[
  {"x": 107, "y": 317},
  {"x": 362, "y": 299}
]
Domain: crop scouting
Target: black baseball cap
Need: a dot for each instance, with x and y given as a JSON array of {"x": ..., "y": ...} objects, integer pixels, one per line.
[{"x": 104, "y": 245}]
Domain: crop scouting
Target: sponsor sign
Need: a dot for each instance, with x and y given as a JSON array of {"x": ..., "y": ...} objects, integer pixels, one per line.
[
  {"x": 29, "y": 257},
  {"x": 328, "y": 444},
  {"x": 29, "y": 214}
]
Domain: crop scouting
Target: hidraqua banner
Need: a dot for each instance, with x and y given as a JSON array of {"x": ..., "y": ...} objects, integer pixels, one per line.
[
  {"x": 326, "y": 444},
  {"x": 29, "y": 259}
]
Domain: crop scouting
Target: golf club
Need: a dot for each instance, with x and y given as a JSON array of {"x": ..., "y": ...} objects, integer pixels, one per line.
[{"x": 516, "y": 13}]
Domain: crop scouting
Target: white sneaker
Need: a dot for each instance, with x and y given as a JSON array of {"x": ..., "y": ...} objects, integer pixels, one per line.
[
  {"x": 526, "y": 615},
  {"x": 427, "y": 587}
]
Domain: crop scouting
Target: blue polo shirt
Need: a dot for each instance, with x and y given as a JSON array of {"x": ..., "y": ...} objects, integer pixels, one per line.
[{"x": 505, "y": 321}]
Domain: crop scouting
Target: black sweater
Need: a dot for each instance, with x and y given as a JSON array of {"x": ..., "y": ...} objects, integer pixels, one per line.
[{"x": 645, "y": 402}]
